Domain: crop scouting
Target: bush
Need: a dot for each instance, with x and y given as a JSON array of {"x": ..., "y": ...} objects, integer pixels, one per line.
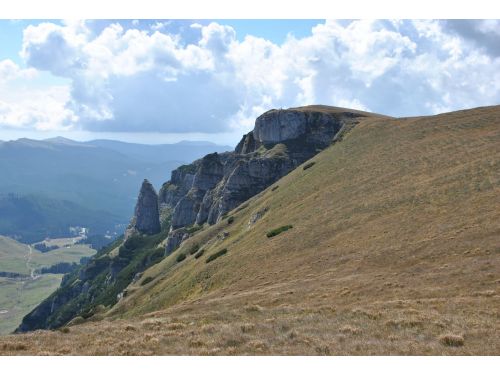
[
  {"x": 216, "y": 255},
  {"x": 147, "y": 280},
  {"x": 199, "y": 254},
  {"x": 451, "y": 340},
  {"x": 194, "y": 249},
  {"x": 308, "y": 165},
  {"x": 230, "y": 220},
  {"x": 181, "y": 257},
  {"x": 279, "y": 230}
]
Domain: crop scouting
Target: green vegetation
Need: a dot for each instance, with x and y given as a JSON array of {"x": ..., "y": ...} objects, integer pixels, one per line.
[
  {"x": 308, "y": 165},
  {"x": 105, "y": 276},
  {"x": 147, "y": 280},
  {"x": 180, "y": 257},
  {"x": 216, "y": 255},
  {"x": 32, "y": 218},
  {"x": 395, "y": 238},
  {"x": 18, "y": 297},
  {"x": 194, "y": 228},
  {"x": 199, "y": 254},
  {"x": 194, "y": 249},
  {"x": 71, "y": 254},
  {"x": 13, "y": 256},
  {"x": 230, "y": 220},
  {"x": 279, "y": 230}
]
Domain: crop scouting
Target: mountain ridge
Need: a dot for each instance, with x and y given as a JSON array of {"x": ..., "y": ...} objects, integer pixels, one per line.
[{"x": 391, "y": 248}]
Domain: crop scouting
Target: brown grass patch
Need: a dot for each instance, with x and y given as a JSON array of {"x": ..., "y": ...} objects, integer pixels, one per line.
[{"x": 450, "y": 339}]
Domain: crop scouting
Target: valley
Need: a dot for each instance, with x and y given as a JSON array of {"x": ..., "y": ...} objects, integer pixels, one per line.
[{"x": 22, "y": 287}]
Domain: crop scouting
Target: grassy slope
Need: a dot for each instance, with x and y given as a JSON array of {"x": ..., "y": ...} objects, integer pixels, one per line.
[
  {"x": 13, "y": 256},
  {"x": 18, "y": 297},
  {"x": 71, "y": 254},
  {"x": 394, "y": 245}
]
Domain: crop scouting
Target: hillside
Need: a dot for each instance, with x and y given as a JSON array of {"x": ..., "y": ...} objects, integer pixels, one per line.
[
  {"x": 32, "y": 218},
  {"x": 21, "y": 286},
  {"x": 61, "y": 182},
  {"x": 393, "y": 249}
]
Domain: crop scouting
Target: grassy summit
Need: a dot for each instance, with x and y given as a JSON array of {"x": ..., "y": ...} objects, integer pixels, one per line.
[{"x": 394, "y": 250}]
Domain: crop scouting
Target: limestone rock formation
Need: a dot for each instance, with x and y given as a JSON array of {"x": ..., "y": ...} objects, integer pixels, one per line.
[
  {"x": 202, "y": 192},
  {"x": 146, "y": 218}
]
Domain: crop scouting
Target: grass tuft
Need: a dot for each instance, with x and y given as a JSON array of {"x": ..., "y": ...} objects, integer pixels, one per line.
[
  {"x": 279, "y": 230},
  {"x": 216, "y": 255},
  {"x": 308, "y": 165},
  {"x": 199, "y": 254},
  {"x": 147, "y": 280},
  {"x": 451, "y": 340},
  {"x": 194, "y": 249}
]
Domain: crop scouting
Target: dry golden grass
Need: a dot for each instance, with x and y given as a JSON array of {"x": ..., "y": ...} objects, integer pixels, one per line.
[{"x": 394, "y": 250}]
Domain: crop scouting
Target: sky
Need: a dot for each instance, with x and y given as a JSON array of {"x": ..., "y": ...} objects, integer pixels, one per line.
[{"x": 162, "y": 81}]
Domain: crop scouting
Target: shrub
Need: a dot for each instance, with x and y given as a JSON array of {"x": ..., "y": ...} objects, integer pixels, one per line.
[
  {"x": 230, "y": 220},
  {"x": 308, "y": 165},
  {"x": 181, "y": 257},
  {"x": 279, "y": 230},
  {"x": 147, "y": 280},
  {"x": 216, "y": 255},
  {"x": 194, "y": 249},
  {"x": 64, "y": 329},
  {"x": 451, "y": 340},
  {"x": 199, "y": 254}
]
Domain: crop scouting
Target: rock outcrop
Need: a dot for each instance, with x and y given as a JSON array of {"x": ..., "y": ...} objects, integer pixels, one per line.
[
  {"x": 198, "y": 193},
  {"x": 146, "y": 219},
  {"x": 202, "y": 192}
]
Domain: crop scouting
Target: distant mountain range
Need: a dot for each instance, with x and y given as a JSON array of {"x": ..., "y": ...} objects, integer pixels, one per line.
[{"x": 93, "y": 180}]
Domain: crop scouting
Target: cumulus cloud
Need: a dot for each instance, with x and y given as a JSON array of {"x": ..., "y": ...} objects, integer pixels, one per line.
[
  {"x": 42, "y": 109},
  {"x": 192, "y": 77},
  {"x": 10, "y": 71},
  {"x": 24, "y": 107}
]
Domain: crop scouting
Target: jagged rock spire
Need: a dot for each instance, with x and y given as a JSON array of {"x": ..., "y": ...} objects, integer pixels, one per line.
[{"x": 146, "y": 218}]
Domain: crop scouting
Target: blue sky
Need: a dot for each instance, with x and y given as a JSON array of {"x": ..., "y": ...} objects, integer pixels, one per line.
[{"x": 158, "y": 81}]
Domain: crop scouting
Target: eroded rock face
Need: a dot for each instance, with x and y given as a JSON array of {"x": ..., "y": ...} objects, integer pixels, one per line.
[
  {"x": 146, "y": 218},
  {"x": 205, "y": 190},
  {"x": 276, "y": 126}
]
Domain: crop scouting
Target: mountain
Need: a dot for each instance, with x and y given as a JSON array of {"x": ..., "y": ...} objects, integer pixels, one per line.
[
  {"x": 184, "y": 151},
  {"x": 102, "y": 176},
  {"x": 32, "y": 218},
  {"x": 385, "y": 242}
]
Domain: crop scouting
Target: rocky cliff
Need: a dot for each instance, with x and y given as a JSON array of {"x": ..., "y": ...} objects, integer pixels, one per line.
[
  {"x": 198, "y": 193},
  {"x": 205, "y": 190},
  {"x": 146, "y": 219}
]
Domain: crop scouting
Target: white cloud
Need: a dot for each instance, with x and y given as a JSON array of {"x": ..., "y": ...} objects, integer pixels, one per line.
[
  {"x": 37, "y": 109},
  {"x": 130, "y": 79},
  {"x": 11, "y": 71}
]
